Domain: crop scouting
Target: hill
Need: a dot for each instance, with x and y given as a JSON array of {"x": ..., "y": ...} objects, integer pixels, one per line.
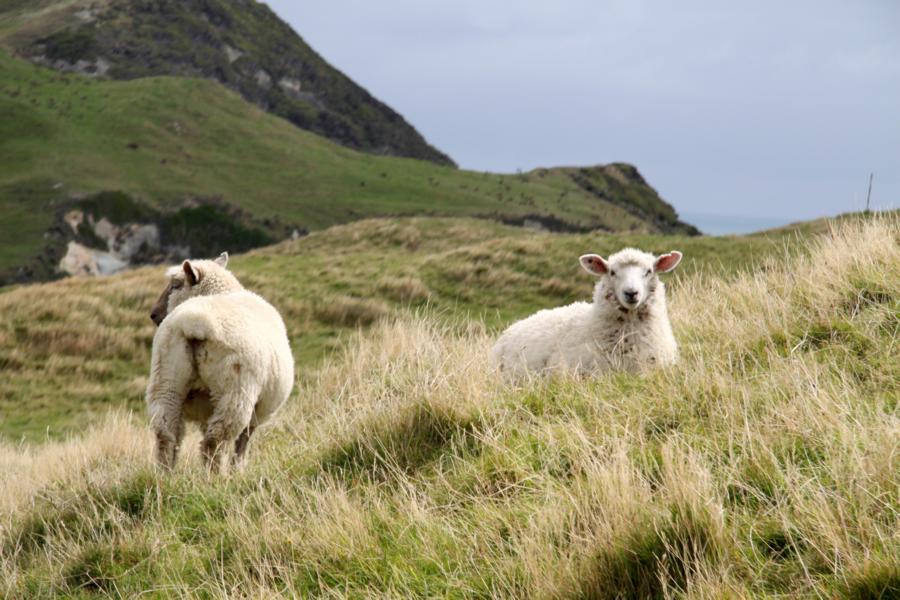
[
  {"x": 328, "y": 284},
  {"x": 241, "y": 44},
  {"x": 759, "y": 466},
  {"x": 163, "y": 144}
]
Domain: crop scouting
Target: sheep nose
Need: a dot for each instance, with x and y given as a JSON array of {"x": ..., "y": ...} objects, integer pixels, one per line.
[
  {"x": 631, "y": 295},
  {"x": 154, "y": 316}
]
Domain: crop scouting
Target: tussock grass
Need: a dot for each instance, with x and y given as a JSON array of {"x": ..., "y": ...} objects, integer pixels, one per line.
[
  {"x": 73, "y": 349},
  {"x": 764, "y": 464},
  {"x": 404, "y": 289},
  {"x": 348, "y": 311}
]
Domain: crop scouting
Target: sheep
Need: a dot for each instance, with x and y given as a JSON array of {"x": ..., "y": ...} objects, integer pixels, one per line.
[
  {"x": 625, "y": 328},
  {"x": 220, "y": 357}
]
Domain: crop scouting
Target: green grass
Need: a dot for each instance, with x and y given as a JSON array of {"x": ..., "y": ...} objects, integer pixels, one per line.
[
  {"x": 165, "y": 140},
  {"x": 759, "y": 466},
  {"x": 25, "y": 220},
  {"x": 188, "y": 38}
]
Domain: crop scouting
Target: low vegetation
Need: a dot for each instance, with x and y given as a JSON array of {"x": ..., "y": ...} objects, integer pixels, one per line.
[
  {"x": 765, "y": 464},
  {"x": 78, "y": 347}
]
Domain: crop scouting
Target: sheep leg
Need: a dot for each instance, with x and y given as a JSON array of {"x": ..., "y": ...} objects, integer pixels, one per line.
[
  {"x": 229, "y": 420},
  {"x": 168, "y": 442},
  {"x": 240, "y": 445},
  {"x": 170, "y": 373}
]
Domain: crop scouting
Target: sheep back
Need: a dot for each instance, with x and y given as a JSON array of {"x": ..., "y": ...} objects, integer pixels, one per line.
[{"x": 231, "y": 337}]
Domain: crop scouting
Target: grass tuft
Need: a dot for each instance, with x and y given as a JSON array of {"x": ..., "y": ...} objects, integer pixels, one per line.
[
  {"x": 875, "y": 580},
  {"x": 414, "y": 437},
  {"x": 103, "y": 568}
]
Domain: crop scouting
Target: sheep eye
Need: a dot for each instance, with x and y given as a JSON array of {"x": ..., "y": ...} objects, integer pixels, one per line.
[
  {"x": 612, "y": 273},
  {"x": 648, "y": 272},
  {"x": 177, "y": 284}
]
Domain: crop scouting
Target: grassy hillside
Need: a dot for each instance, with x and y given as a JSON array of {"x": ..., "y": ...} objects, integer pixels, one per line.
[
  {"x": 763, "y": 465},
  {"x": 326, "y": 284},
  {"x": 166, "y": 140},
  {"x": 240, "y": 44}
]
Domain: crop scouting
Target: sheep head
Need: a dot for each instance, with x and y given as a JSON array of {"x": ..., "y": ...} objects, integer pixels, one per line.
[
  {"x": 630, "y": 275},
  {"x": 194, "y": 278}
]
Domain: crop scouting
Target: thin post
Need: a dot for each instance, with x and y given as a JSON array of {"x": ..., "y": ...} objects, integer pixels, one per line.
[{"x": 869, "y": 195}]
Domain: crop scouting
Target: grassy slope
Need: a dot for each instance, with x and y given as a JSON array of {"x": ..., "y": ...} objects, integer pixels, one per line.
[
  {"x": 66, "y": 134},
  {"x": 763, "y": 465},
  {"x": 187, "y": 38},
  {"x": 60, "y": 373}
]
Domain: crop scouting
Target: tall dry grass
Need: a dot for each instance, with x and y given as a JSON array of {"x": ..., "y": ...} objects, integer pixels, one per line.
[{"x": 764, "y": 464}]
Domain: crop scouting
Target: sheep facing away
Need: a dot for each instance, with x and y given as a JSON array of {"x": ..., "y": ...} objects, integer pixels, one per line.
[
  {"x": 220, "y": 357},
  {"x": 625, "y": 328}
]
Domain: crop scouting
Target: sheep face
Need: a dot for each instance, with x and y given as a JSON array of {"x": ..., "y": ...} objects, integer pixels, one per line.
[
  {"x": 630, "y": 275},
  {"x": 190, "y": 279}
]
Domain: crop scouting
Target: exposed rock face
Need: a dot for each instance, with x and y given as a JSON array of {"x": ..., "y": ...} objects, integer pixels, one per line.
[
  {"x": 96, "y": 68},
  {"x": 232, "y": 53},
  {"x": 290, "y": 85},
  {"x": 86, "y": 15},
  {"x": 126, "y": 244},
  {"x": 127, "y": 241},
  {"x": 110, "y": 231},
  {"x": 263, "y": 79},
  {"x": 81, "y": 260},
  {"x": 74, "y": 219}
]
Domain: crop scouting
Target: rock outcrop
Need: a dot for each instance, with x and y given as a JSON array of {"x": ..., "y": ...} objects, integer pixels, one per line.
[
  {"x": 110, "y": 231},
  {"x": 126, "y": 244}
]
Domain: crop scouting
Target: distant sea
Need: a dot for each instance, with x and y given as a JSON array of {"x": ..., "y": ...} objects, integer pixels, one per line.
[{"x": 727, "y": 224}]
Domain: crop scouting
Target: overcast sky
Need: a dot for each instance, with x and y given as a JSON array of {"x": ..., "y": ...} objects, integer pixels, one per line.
[{"x": 765, "y": 108}]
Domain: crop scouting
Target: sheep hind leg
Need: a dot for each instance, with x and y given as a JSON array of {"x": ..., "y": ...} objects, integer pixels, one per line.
[
  {"x": 170, "y": 373},
  {"x": 225, "y": 427},
  {"x": 168, "y": 442},
  {"x": 240, "y": 445}
]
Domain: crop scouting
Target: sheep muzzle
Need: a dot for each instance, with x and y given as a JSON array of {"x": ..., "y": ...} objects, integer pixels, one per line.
[{"x": 158, "y": 313}]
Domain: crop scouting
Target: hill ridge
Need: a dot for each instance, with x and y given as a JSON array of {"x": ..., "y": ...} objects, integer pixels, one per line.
[
  {"x": 166, "y": 141},
  {"x": 241, "y": 44}
]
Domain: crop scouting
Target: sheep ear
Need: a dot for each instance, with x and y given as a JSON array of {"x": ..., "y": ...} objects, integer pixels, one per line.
[
  {"x": 191, "y": 272},
  {"x": 667, "y": 262},
  {"x": 222, "y": 261},
  {"x": 594, "y": 264}
]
